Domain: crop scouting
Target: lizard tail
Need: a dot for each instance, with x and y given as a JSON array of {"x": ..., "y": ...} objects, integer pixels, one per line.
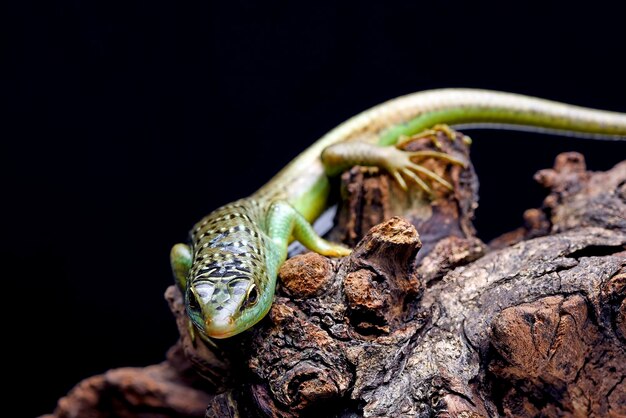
[{"x": 472, "y": 108}]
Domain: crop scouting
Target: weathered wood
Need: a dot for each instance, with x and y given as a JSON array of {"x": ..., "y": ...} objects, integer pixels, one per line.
[
  {"x": 435, "y": 323},
  {"x": 169, "y": 389}
]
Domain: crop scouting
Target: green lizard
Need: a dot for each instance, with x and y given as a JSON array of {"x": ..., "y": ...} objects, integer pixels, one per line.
[{"x": 228, "y": 273}]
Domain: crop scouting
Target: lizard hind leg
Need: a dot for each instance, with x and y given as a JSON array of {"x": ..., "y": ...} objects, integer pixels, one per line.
[{"x": 397, "y": 162}]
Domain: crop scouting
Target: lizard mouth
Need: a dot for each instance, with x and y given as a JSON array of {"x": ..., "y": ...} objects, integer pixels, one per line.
[{"x": 221, "y": 327}]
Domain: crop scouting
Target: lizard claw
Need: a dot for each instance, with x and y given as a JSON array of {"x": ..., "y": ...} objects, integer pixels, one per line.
[
  {"x": 428, "y": 173},
  {"x": 421, "y": 183},
  {"x": 396, "y": 175}
]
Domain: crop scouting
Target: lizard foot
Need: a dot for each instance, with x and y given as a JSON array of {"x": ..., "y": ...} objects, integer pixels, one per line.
[
  {"x": 432, "y": 134},
  {"x": 400, "y": 165}
]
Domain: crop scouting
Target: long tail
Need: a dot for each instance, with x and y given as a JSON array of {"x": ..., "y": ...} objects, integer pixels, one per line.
[{"x": 484, "y": 108}]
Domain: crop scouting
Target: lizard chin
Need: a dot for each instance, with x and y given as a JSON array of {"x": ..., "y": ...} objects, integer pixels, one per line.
[{"x": 223, "y": 327}]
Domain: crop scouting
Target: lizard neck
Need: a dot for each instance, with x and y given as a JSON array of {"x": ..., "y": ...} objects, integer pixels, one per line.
[{"x": 303, "y": 184}]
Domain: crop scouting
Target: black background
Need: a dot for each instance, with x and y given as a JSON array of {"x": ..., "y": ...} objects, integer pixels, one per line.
[{"x": 128, "y": 121}]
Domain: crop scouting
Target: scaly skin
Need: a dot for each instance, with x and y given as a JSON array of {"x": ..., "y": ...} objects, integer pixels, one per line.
[{"x": 228, "y": 275}]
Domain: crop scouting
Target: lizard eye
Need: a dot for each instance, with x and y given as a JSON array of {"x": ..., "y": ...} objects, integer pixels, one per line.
[
  {"x": 192, "y": 301},
  {"x": 251, "y": 297}
]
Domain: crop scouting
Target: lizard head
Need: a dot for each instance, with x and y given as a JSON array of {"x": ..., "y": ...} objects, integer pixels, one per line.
[
  {"x": 229, "y": 301},
  {"x": 226, "y": 307}
]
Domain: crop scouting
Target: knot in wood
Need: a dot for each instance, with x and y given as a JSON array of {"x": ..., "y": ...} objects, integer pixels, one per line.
[
  {"x": 306, "y": 275},
  {"x": 303, "y": 364},
  {"x": 388, "y": 247},
  {"x": 380, "y": 284}
]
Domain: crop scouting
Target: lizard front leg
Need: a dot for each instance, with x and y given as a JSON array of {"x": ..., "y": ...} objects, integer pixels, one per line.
[
  {"x": 284, "y": 221},
  {"x": 181, "y": 261}
]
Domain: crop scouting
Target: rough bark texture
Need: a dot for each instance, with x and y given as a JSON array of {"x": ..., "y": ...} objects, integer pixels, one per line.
[
  {"x": 428, "y": 324},
  {"x": 169, "y": 389}
]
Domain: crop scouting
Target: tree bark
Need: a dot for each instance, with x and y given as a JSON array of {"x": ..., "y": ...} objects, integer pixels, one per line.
[{"x": 435, "y": 323}]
